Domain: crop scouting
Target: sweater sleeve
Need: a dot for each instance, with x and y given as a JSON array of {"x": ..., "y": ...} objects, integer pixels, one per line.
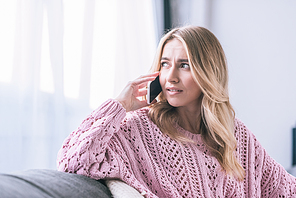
[
  {"x": 86, "y": 150},
  {"x": 276, "y": 181},
  {"x": 264, "y": 176}
]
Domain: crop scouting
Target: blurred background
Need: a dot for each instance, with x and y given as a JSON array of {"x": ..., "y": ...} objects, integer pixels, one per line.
[{"x": 60, "y": 59}]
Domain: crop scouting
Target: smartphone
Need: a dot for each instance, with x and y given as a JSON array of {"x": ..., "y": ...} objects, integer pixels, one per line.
[{"x": 153, "y": 90}]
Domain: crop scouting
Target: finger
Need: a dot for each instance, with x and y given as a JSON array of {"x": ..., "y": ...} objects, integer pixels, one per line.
[
  {"x": 142, "y": 92},
  {"x": 154, "y": 75},
  {"x": 149, "y": 75},
  {"x": 143, "y": 85},
  {"x": 139, "y": 81}
]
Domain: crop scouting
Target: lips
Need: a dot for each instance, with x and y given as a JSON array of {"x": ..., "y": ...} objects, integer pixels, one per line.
[{"x": 173, "y": 90}]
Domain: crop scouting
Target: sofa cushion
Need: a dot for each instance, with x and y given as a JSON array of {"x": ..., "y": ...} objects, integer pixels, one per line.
[{"x": 50, "y": 183}]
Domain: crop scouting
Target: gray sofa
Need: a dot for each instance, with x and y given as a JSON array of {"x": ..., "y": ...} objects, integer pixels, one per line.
[{"x": 50, "y": 183}]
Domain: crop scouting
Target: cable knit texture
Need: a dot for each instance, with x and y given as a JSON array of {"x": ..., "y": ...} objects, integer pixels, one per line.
[{"x": 111, "y": 143}]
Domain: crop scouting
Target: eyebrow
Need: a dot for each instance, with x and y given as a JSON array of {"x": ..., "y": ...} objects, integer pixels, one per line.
[{"x": 179, "y": 60}]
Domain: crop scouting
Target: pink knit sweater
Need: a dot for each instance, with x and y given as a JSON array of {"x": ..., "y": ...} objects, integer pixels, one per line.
[{"x": 111, "y": 143}]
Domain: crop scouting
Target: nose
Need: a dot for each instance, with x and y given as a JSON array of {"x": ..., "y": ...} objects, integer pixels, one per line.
[{"x": 172, "y": 75}]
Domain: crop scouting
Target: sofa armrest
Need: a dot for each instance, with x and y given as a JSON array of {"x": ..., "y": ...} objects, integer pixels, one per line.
[{"x": 120, "y": 189}]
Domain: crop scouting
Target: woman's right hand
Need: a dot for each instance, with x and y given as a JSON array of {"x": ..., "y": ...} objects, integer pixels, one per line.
[{"x": 134, "y": 90}]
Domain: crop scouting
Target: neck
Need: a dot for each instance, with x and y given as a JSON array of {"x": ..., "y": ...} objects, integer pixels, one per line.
[{"x": 190, "y": 119}]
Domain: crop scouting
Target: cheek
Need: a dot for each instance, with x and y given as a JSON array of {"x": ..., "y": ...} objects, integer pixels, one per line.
[
  {"x": 162, "y": 80},
  {"x": 192, "y": 85},
  {"x": 189, "y": 82}
]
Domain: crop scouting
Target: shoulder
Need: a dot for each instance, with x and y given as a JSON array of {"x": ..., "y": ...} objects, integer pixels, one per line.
[
  {"x": 245, "y": 138},
  {"x": 137, "y": 127},
  {"x": 138, "y": 118},
  {"x": 242, "y": 133},
  {"x": 240, "y": 129},
  {"x": 239, "y": 125},
  {"x": 138, "y": 114}
]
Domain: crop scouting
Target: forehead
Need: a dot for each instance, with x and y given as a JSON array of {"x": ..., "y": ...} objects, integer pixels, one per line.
[{"x": 174, "y": 46}]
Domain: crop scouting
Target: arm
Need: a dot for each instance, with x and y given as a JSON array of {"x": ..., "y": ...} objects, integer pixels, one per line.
[
  {"x": 86, "y": 150},
  {"x": 264, "y": 176},
  {"x": 276, "y": 181}
]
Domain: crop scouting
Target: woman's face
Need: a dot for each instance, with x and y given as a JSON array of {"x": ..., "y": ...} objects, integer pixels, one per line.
[{"x": 175, "y": 76}]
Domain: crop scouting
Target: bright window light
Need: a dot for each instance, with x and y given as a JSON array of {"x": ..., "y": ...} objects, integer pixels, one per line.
[
  {"x": 104, "y": 49},
  {"x": 46, "y": 77},
  {"x": 73, "y": 29},
  {"x": 7, "y": 33}
]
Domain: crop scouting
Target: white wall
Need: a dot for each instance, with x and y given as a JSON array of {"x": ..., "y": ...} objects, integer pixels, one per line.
[{"x": 259, "y": 38}]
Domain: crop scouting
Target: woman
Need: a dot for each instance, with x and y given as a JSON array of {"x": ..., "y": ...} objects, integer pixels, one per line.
[{"x": 186, "y": 144}]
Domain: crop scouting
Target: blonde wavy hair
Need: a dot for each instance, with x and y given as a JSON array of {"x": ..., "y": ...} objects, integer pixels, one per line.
[{"x": 209, "y": 70}]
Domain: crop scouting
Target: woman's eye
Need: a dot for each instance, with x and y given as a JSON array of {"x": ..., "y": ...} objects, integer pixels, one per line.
[
  {"x": 164, "y": 64},
  {"x": 185, "y": 65}
]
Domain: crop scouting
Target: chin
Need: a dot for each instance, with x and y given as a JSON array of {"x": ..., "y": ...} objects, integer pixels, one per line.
[{"x": 174, "y": 103}]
